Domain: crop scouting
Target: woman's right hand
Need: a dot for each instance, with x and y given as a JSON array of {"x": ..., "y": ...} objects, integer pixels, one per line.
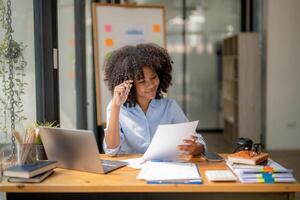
[{"x": 121, "y": 93}]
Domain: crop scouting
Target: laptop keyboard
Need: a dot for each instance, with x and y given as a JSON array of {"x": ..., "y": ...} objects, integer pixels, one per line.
[
  {"x": 109, "y": 165},
  {"x": 112, "y": 162}
]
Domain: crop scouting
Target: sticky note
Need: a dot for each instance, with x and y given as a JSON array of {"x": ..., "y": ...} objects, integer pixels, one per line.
[
  {"x": 271, "y": 180},
  {"x": 109, "y": 42},
  {"x": 107, "y": 28},
  {"x": 268, "y": 169},
  {"x": 156, "y": 28},
  {"x": 71, "y": 75},
  {"x": 71, "y": 43},
  {"x": 107, "y": 55},
  {"x": 267, "y": 175},
  {"x": 158, "y": 41},
  {"x": 260, "y": 180}
]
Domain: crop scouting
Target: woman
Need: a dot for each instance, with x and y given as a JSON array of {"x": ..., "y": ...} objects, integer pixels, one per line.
[{"x": 137, "y": 77}]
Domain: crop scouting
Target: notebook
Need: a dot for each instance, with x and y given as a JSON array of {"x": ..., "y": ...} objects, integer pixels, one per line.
[
  {"x": 246, "y": 157},
  {"x": 272, "y": 172},
  {"x": 28, "y": 171},
  {"x": 36, "y": 179}
]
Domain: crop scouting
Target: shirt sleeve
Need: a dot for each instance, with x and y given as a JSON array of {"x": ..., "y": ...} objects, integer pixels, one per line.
[
  {"x": 179, "y": 117},
  {"x": 200, "y": 140},
  {"x": 115, "y": 151}
]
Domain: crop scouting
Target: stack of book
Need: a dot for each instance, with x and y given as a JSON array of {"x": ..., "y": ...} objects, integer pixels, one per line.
[
  {"x": 268, "y": 172},
  {"x": 248, "y": 157},
  {"x": 30, "y": 173},
  {"x": 170, "y": 173}
]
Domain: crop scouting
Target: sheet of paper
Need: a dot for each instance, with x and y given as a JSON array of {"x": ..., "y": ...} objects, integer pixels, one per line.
[
  {"x": 162, "y": 171},
  {"x": 136, "y": 163},
  {"x": 164, "y": 144}
]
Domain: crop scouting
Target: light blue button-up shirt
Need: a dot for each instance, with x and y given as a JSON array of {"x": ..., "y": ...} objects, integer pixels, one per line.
[{"x": 137, "y": 128}]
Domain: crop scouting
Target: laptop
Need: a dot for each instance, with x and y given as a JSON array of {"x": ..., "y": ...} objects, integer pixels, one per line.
[{"x": 76, "y": 149}]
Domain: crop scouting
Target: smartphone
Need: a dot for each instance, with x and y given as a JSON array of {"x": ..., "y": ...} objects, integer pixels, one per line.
[{"x": 213, "y": 156}]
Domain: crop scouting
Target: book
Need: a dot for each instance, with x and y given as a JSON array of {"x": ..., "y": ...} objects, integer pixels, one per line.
[
  {"x": 245, "y": 157},
  {"x": 271, "y": 180},
  {"x": 28, "y": 171},
  {"x": 245, "y": 166},
  {"x": 271, "y": 172},
  {"x": 271, "y": 167},
  {"x": 36, "y": 179},
  {"x": 270, "y": 175}
]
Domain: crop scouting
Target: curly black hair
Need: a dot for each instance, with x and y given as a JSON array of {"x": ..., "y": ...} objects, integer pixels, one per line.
[{"x": 128, "y": 62}]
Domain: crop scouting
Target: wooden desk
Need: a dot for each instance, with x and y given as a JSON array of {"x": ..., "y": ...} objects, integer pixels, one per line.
[{"x": 124, "y": 182}]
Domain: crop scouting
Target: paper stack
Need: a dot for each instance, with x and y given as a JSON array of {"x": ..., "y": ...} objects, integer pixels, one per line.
[
  {"x": 272, "y": 172},
  {"x": 170, "y": 173}
]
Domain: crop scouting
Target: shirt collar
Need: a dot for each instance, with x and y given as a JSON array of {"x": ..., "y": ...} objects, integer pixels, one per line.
[{"x": 153, "y": 104}]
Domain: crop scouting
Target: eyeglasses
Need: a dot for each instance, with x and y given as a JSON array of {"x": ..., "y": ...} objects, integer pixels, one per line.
[{"x": 256, "y": 150}]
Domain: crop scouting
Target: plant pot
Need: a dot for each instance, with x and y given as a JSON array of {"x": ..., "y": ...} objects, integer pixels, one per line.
[{"x": 41, "y": 153}]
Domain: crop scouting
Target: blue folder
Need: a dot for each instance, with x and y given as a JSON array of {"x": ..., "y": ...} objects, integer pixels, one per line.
[{"x": 176, "y": 182}]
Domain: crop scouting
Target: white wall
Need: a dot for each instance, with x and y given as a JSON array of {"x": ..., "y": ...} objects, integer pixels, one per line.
[{"x": 283, "y": 74}]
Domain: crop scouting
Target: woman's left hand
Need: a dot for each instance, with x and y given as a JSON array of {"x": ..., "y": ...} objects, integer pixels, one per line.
[{"x": 191, "y": 147}]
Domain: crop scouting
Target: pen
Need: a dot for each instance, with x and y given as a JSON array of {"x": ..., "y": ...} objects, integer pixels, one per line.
[{"x": 17, "y": 135}]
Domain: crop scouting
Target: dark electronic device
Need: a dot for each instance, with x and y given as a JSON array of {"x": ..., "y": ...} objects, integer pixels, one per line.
[
  {"x": 213, "y": 156},
  {"x": 243, "y": 144},
  {"x": 246, "y": 144}
]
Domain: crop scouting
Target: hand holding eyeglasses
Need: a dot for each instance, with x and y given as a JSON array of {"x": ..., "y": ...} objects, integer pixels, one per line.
[{"x": 121, "y": 92}]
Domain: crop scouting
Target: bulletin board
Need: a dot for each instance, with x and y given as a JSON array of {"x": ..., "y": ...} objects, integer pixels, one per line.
[{"x": 115, "y": 26}]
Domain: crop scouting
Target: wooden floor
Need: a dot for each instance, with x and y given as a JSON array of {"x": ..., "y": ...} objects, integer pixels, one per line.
[{"x": 289, "y": 159}]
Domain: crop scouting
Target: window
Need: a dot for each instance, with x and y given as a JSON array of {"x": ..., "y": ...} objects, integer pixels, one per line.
[{"x": 22, "y": 24}]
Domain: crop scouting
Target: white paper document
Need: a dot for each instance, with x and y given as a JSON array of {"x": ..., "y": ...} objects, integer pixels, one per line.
[
  {"x": 136, "y": 163},
  {"x": 164, "y": 145},
  {"x": 168, "y": 171}
]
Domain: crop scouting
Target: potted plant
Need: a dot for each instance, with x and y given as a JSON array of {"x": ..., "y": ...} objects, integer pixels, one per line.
[
  {"x": 12, "y": 79},
  {"x": 40, "y": 150}
]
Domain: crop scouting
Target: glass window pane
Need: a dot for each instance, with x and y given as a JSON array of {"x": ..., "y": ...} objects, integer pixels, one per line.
[
  {"x": 89, "y": 66},
  {"x": 23, "y": 27},
  {"x": 66, "y": 51},
  {"x": 174, "y": 28},
  {"x": 208, "y": 23}
]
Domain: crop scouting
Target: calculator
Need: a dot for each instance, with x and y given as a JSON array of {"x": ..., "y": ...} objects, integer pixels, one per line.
[{"x": 220, "y": 175}]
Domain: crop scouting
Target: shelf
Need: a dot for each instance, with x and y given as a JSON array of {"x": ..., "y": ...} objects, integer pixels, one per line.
[
  {"x": 241, "y": 86},
  {"x": 230, "y": 119},
  {"x": 231, "y": 79},
  {"x": 230, "y": 57},
  {"x": 226, "y": 98}
]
